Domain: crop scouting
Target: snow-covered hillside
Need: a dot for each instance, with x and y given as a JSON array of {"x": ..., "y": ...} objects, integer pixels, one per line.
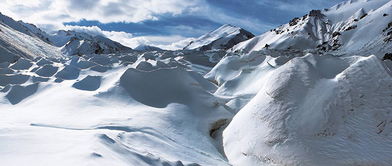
[
  {"x": 144, "y": 47},
  {"x": 222, "y": 38},
  {"x": 355, "y": 26},
  {"x": 313, "y": 92},
  {"x": 80, "y": 43},
  {"x": 20, "y": 39},
  {"x": 308, "y": 110}
]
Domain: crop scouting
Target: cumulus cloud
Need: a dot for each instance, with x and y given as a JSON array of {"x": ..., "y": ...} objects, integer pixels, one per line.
[
  {"x": 53, "y": 13},
  {"x": 183, "y": 17},
  {"x": 172, "y": 42}
]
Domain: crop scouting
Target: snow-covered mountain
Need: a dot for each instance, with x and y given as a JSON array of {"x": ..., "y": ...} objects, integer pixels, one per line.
[
  {"x": 313, "y": 92},
  {"x": 144, "y": 47},
  {"x": 20, "y": 39},
  {"x": 360, "y": 26},
  {"x": 80, "y": 43},
  {"x": 222, "y": 38}
]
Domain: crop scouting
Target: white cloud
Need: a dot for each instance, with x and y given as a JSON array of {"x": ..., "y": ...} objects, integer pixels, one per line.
[
  {"x": 53, "y": 13},
  {"x": 173, "y": 42},
  {"x": 127, "y": 39}
]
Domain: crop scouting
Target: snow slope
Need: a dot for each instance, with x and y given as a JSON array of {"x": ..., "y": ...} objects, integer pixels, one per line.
[
  {"x": 320, "y": 94},
  {"x": 316, "y": 110},
  {"x": 224, "y": 38},
  {"x": 108, "y": 110},
  {"x": 16, "y": 41},
  {"x": 19, "y": 39},
  {"x": 144, "y": 47},
  {"x": 357, "y": 26},
  {"x": 80, "y": 43}
]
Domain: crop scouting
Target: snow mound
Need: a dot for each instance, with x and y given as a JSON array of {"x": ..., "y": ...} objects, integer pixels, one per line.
[
  {"x": 100, "y": 68},
  {"x": 89, "y": 83},
  {"x": 39, "y": 79},
  {"x": 4, "y": 64},
  {"x": 19, "y": 93},
  {"x": 6, "y": 71},
  {"x": 21, "y": 64},
  {"x": 43, "y": 62},
  {"x": 144, "y": 47},
  {"x": 145, "y": 66},
  {"x": 69, "y": 72},
  {"x": 47, "y": 71},
  {"x": 316, "y": 110},
  {"x": 13, "y": 79},
  {"x": 157, "y": 88}
]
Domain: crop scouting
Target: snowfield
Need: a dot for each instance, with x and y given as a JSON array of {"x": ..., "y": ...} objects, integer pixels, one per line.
[{"x": 314, "y": 92}]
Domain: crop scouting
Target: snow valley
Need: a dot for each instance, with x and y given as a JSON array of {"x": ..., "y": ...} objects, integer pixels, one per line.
[{"x": 316, "y": 91}]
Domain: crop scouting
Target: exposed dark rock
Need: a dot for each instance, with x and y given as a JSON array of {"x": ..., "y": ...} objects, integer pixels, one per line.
[
  {"x": 336, "y": 34},
  {"x": 294, "y": 21},
  {"x": 363, "y": 16},
  {"x": 351, "y": 27},
  {"x": 387, "y": 56},
  {"x": 316, "y": 13}
]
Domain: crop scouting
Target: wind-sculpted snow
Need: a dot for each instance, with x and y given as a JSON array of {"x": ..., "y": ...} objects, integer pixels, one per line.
[
  {"x": 89, "y": 83},
  {"x": 316, "y": 110},
  {"x": 17, "y": 93},
  {"x": 111, "y": 110},
  {"x": 313, "y": 92},
  {"x": 157, "y": 88}
]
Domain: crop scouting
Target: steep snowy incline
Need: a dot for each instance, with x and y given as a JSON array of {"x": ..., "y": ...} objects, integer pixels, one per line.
[
  {"x": 80, "y": 43},
  {"x": 222, "y": 38},
  {"x": 19, "y": 39},
  {"x": 361, "y": 26},
  {"x": 316, "y": 110},
  {"x": 15, "y": 44},
  {"x": 28, "y": 29}
]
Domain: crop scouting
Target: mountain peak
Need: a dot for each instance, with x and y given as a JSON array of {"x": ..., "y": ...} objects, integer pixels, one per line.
[{"x": 222, "y": 38}]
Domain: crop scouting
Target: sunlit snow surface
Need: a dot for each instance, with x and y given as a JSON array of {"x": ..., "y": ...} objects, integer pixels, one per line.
[
  {"x": 123, "y": 116},
  {"x": 314, "y": 92}
]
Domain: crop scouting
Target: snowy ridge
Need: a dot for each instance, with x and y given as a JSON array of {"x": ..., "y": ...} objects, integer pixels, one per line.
[
  {"x": 336, "y": 29},
  {"x": 26, "y": 40},
  {"x": 80, "y": 43},
  {"x": 144, "y": 47},
  {"x": 28, "y": 29},
  {"x": 301, "y": 116},
  {"x": 15, "y": 44},
  {"x": 224, "y": 38}
]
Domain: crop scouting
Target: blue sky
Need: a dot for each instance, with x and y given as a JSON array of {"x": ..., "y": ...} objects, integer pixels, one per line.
[{"x": 158, "y": 22}]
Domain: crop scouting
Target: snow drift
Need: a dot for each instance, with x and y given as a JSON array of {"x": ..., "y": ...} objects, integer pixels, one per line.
[{"x": 316, "y": 110}]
